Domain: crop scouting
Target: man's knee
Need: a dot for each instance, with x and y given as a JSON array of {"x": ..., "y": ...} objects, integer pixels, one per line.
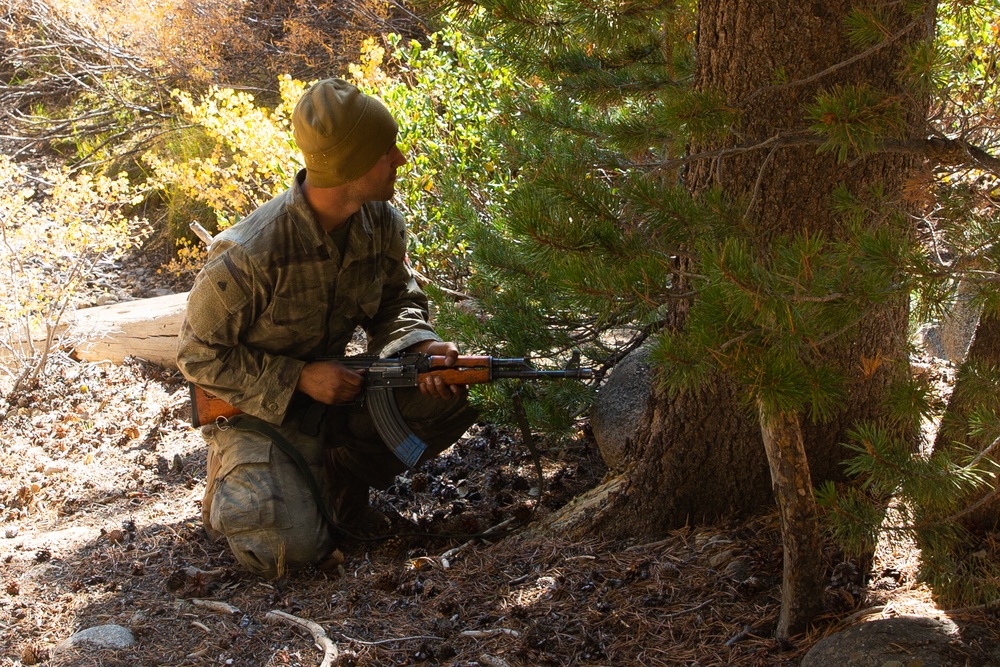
[
  {"x": 264, "y": 535},
  {"x": 272, "y": 553},
  {"x": 272, "y": 524}
]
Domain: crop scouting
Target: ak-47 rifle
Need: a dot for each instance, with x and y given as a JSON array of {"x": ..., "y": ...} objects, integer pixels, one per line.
[{"x": 381, "y": 376}]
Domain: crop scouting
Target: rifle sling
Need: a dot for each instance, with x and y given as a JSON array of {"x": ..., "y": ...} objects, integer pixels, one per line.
[{"x": 243, "y": 422}]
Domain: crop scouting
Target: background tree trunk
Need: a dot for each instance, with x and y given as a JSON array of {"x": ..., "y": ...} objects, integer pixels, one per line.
[
  {"x": 701, "y": 456},
  {"x": 982, "y": 364}
]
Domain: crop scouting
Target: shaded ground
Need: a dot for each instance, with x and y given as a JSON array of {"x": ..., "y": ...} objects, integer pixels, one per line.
[
  {"x": 103, "y": 478},
  {"x": 99, "y": 523}
]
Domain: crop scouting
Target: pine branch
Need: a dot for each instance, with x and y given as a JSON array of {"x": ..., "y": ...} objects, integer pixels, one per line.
[
  {"x": 838, "y": 66},
  {"x": 947, "y": 152}
]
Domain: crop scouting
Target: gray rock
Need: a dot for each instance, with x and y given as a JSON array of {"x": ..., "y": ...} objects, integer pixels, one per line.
[
  {"x": 622, "y": 407},
  {"x": 722, "y": 559},
  {"x": 909, "y": 641},
  {"x": 102, "y": 636},
  {"x": 737, "y": 570},
  {"x": 106, "y": 300}
]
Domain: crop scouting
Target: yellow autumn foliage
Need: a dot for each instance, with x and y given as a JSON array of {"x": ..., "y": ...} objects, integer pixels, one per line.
[{"x": 57, "y": 231}]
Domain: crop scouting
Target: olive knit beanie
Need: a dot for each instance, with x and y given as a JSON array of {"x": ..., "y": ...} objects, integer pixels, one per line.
[{"x": 341, "y": 132}]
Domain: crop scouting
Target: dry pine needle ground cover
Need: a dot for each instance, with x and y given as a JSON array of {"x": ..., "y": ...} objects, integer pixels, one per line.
[
  {"x": 100, "y": 523},
  {"x": 102, "y": 482}
]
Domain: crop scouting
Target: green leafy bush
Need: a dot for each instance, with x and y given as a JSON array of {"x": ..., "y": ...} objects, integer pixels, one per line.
[{"x": 444, "y": 96}]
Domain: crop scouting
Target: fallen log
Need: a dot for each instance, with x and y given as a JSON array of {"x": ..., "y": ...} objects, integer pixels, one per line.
[{"x": 144, "y": 328}]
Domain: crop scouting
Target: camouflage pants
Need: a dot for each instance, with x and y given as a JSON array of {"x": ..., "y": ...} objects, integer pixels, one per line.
[{"x": 258, "y": 499}]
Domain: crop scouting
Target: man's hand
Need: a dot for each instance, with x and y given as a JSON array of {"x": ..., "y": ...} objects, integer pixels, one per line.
[
  {"x": 330, "y": 382},
  {"x": 435, "y": 386}
]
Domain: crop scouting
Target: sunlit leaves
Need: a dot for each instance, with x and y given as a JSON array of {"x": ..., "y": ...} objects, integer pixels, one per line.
[
  {"x": 54, "y": 231},
  {"x": 444, "y": 96},
  {"x": 248, "y": 159}
]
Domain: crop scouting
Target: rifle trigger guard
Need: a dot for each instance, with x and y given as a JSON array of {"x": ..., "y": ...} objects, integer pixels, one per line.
[{"x": 223, "y": 423}]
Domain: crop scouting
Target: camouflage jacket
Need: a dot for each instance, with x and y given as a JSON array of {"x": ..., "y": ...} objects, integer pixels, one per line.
[{"x": 275, "y": 294}]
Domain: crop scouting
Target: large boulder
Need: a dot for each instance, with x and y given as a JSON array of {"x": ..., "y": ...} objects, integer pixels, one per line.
[{"x": 907, "y": 641}]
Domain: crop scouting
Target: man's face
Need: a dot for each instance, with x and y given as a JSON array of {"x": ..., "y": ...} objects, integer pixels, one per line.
[{"x": 379, "y": 182}]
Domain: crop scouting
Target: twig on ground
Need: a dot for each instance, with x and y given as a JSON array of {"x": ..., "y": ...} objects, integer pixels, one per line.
[
  {"x": 861, "y": 614},
  {"x": 446, "y": 557},
  {"x": 689, "y": 610},
  {"x": 483, "y": 634},
  {"x": 745, "y": 633},
  {"x": 324, "y": 643},
  {"x": 502, "y": 524},
  {"x": 391, "y": 640},
  {"x": 206, "y": 575},
  {"x": 216, "y": 605}
]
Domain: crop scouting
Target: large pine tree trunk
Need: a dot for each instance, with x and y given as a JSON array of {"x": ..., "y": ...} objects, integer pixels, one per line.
[{"x": 702, "y": 456}]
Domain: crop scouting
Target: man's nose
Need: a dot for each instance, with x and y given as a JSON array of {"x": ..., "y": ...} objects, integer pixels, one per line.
[{"x": 398, "y": 158}]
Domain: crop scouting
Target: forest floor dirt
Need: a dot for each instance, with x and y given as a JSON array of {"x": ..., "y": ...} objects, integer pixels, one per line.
[{"x": 101, "y": 479}]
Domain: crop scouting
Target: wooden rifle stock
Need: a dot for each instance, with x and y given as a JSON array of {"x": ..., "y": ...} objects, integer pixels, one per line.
[{"x": 207, "y": 407}]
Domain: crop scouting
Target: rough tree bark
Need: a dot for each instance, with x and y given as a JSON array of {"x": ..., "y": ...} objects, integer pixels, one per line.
[{"x": 701, "y": 457}]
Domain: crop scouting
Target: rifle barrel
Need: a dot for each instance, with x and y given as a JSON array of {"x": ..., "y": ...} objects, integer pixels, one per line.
[{"x": 520, "y": 368}]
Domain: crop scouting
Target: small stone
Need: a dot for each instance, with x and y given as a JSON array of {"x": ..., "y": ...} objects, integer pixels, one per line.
[
  {"x": 104, "y": 636},
  {"x": 736, "y": 570}
]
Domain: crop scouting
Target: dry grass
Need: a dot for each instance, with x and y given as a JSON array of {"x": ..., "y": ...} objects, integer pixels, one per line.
[
  {"x": 244, "y": 43},
  {"x": 94, "y": 77}
]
